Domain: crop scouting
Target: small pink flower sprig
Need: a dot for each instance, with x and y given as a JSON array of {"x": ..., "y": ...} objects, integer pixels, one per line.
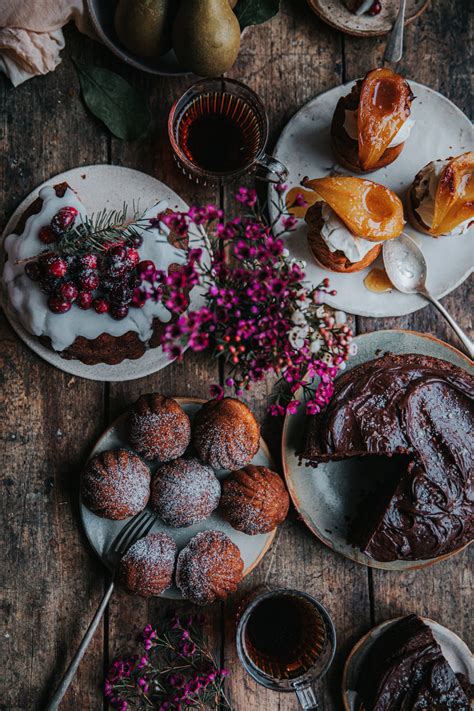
[
  {"x": 259, "y": 314},
  {"x": 174, "y": 671}
]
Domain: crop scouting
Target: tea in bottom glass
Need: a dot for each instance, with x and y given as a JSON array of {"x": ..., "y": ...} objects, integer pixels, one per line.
[
  {"x": 218, "y": 131},
  {"x": 286, "y": 641}
]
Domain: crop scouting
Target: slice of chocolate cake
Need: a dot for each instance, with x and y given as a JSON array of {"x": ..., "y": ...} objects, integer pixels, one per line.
[
  {"x": 418, "y": 411},
  {"x": 405, "y": 670}
]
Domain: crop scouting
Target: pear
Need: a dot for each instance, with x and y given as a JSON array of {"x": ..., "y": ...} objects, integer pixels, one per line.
[
  {"x": 206, "y": 36},
  {"x": 144, "y": 26}
]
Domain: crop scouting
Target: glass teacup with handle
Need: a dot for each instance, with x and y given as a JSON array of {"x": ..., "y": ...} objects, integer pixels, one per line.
[{"x": 286, "y": 641}]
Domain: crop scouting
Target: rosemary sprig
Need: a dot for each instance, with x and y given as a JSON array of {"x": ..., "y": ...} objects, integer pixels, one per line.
[{"x": 96, "y": 232}]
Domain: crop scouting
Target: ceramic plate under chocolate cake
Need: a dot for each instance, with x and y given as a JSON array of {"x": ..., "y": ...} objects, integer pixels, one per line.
[
  {"x": 386, "y": 476},
  {"x": 408, "y": 663}
]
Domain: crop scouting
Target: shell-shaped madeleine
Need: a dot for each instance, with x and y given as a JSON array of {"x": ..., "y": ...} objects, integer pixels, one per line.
[
  {"x": 384, "y": 106},
  {"x": 368, "y": 209},
  {"x": 454, "y": 201}
]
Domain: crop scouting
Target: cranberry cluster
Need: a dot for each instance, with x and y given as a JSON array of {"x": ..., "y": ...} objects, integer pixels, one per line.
[{"x": 108, "y": 282}]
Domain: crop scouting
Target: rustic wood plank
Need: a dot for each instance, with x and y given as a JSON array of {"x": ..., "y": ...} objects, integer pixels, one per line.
[
  {"x": 53, "y": 582},
  {"x": 189, "y": 378},
  {"x": 441, "y": 592},
  {"x": 285, "y": 79}
]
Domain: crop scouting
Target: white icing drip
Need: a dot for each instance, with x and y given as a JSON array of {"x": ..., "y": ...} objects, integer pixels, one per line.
[
  {"x": 31, "y": 305},
  {"x": 339, "y": 239},
  {"x": 425, "y": 193},
  {"x": 350, "y": 127}
]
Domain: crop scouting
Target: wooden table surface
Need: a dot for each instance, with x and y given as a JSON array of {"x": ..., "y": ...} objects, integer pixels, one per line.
[{"x": 52, "y": 580}]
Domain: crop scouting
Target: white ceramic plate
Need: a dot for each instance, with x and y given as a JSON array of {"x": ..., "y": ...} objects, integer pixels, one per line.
[
  {"x": 454, "y": 649},
  {"x": 336, "y": 14},
  {"x": 99, "y": 187},
  {"x": 328, "y": 497},
  {"x": 101, "y": 531},
  {"x": 441, "y": 130}
]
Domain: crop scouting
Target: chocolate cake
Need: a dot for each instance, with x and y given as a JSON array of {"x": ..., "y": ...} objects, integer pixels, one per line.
[
  {"x": 85, "y": 307},
  {"x": 418, "y": 411},
  {"x": 405, "y": 669}
]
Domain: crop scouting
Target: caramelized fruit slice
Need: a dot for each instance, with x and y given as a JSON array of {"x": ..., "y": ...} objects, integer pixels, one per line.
[
  {"x": 309, "y": 196},
  {"x": 454, "y": 201},
  {"x": 384, "y": 106},
  {"x": 368, "y": 209}
]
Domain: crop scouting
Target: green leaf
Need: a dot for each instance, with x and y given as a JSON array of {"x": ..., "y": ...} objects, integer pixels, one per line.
[
  {"x": 114, "y": 101},
  {"x": 254, "y": 12}
]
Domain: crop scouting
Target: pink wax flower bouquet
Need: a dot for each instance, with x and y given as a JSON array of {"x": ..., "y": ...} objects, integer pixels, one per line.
[
  {"x": 259, "y": 316},
  {"x": 173, "y": 671}
]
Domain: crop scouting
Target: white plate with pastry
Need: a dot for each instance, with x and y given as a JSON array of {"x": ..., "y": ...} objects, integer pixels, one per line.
[
  {"x": 69, "y": 339},
  {"x": 440, "y": 131},
  {"x": 101, "y": 531}
]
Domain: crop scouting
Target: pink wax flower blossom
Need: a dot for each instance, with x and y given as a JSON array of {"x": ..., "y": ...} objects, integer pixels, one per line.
[
  {"x": 181, "y": 672},
  {"x": 260, "y": 315}
]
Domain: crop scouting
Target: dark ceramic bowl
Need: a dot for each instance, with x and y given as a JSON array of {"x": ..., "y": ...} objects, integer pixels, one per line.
[{"x": 102, "y": 14}]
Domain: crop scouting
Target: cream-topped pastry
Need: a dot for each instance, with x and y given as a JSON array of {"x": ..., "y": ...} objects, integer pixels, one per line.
[
  {"x": 32, "y": 307},
  {"x": 350, "y": 127},
  {"x": 350, "y": 220},
  {"x": 339, "y": 239},
  {"x": 424, "y": 193}
]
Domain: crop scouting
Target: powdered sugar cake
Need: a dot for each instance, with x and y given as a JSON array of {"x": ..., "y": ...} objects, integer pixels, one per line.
[{"x": 101, "y": 531}]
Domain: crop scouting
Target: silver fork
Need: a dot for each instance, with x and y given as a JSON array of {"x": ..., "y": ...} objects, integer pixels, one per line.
[{"x": 139, "y": 526}]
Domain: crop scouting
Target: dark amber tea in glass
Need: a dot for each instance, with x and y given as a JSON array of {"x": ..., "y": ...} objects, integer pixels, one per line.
[
  {"x": 284, "y": 636},
  {"x": 218, "y": 130},
  {"x": 286, "y": 641}
]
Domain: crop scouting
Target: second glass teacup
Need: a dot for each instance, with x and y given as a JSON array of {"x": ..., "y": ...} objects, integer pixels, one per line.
[{"x": 218, "y": 131}]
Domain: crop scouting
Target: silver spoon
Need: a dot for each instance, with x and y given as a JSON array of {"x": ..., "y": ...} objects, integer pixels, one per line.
[
  {"x": 394, "y": 48},
  {"x": 406, "y": 268}
]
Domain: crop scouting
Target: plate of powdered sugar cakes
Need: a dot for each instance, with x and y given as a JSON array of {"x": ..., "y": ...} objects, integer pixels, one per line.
[
  {"x": 369, "y": 161},
  {"x": 206, "y": 474},
  {"x": 78, "y": 252}
]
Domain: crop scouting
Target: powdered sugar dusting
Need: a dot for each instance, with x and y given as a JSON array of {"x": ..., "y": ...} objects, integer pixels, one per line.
[
  {"x": 209, "y": 568},
  {"x": 116, "y": 484},
  {"x": 184, "y": 492},
  {"x": 159, "y": 428},
  {"x": 147, "y": 567}
]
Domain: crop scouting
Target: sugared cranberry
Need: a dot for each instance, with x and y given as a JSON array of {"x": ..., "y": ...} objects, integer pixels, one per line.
[
  {"x": 119, "y": 312},
  {"x": 46, "y": 235},
  {"x": 57, "y": 267},
  {"x": 101, "y": 305},
  {"x": 84, "y": 299},
  {"x": 138, "y": 299},
  {"x": 117, "y": 263},
  {"x": 63, "y": 219},
  {"x": 121, "y": 294},
  {"x": 33, "y": 271},
  {"x": 88, "y": 281},
  {"x": 58, "y": 305},
  {"x": 146, "y": 266},
  {"x": 137, "y": 241},
  {"x": 133, "y": 257},
  {"x": 71, "y": 262},
  {"x": 68, "y": 291},
  {"x": 48, "y": 284},
  {"x": 88, "y": 261},
  {"x": 118, "y": 252},
  {"x": 375, "y": 8}
]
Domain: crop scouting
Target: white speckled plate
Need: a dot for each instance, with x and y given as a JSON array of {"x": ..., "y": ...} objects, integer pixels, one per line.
[
  {"x": 456, "y": 652},
  {"x": 336, "y": 14},
  {"x": 102, "y": 531},
  {"x": 327, "y": 498},
  {"x": 98, "y": 187},
  {"x": 441, "y": 130}
]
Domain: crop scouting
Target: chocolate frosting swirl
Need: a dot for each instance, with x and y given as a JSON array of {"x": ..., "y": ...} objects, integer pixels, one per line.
[{"x": 420, "y": 410}]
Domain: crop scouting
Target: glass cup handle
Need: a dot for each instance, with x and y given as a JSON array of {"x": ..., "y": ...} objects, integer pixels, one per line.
[
  {"x": 306, "y": 695},
  {"x": 271, "y": 165}
]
